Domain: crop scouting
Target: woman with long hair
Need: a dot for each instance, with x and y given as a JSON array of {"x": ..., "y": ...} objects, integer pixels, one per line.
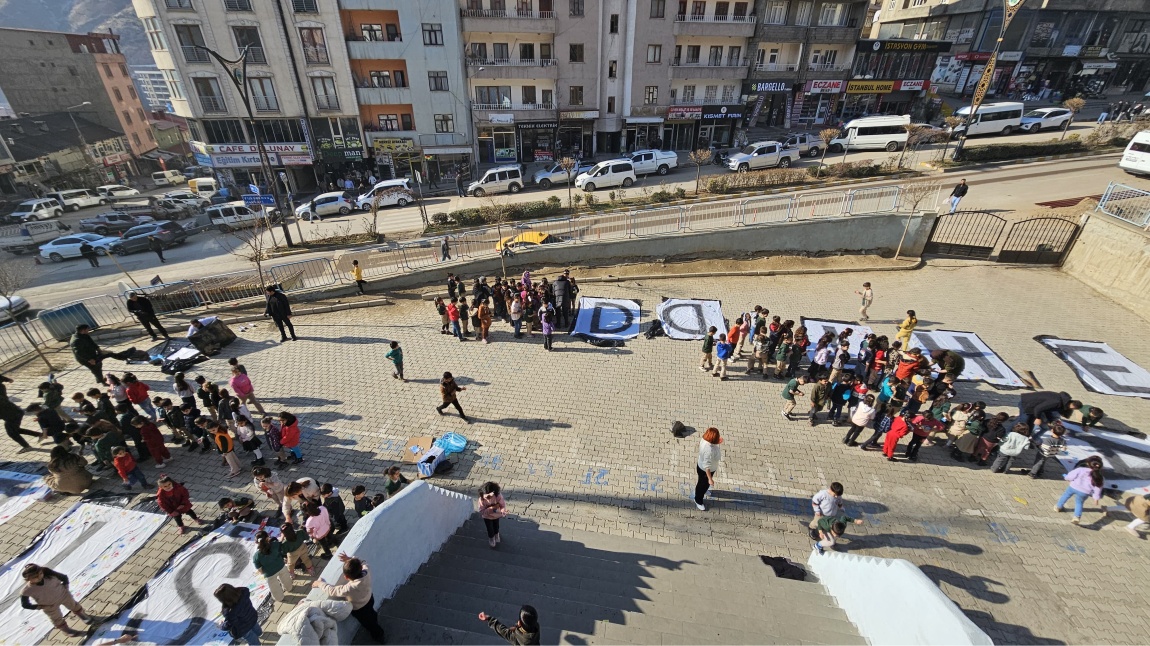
[
  {"x": 1084, "y": 480},
  {"x": 708, "y": 463}
]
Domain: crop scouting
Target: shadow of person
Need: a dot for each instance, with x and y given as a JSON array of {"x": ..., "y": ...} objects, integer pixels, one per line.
[
  {"x": 978, "y": 586},
  {"x": 911, "y": 541}
]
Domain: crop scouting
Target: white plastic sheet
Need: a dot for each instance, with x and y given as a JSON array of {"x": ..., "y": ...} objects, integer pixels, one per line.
[
  {"x": 688, "y": 318},
  {"x": 18, "y": 491},
  {"x": 607, "y": 318}
]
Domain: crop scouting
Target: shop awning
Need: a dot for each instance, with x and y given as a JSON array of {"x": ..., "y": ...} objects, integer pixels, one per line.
[
  {"x": 644, "y": 119},
  {"x": 446, "y": 150},
  {"x": 1087, "y": 72}
]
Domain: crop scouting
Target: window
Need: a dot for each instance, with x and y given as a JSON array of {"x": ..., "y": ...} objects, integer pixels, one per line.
[
  {"x": 499, "y": 95},
  {"x": 576, "y": 7},
  {"x": 325, "y": 94},
  {"x": 776, "y": 12},
  {"x": 314, "y": 46},
  {"x": 389, "y": 122},
  {"x": 180, "y": 4},
  {"x": 692, "y": 54},
  {"x": 710, "y": 93},
  {"x": 400, "y": 78},
  {"x": 575, "y": 96},
  {"x": 237, "y": 5},
  {"x": 127, "y": 117},
  {"x": 614, "y": 23},
  {"x": 728, "y": 93},
  {"x": 528, "y": 94},
  {"x": 119, "y": 97},
  {"x": 740, "y": 12},
  {"x": 523, "y": 8},
  {"x": 548, "y": 98},
  {"x": 715, "y": 58},
  {"x": 123, "y": 70},
  {"x": 721, "y": 9},
  {"x": 140, "y": 115},
  {"x": 610, "y": 105},
  {"x": 803, "y": 14},
  {"x": 107, "y": 70},
  {"x": 211, "y": 98},
  {"x": 432, "y": 33},
  {"x": 444, "y": 123},
  {"x": 654, "y": 53},
  {"x": 405, "y": 122},
  {"x": 576, "y": 53},
  {"x": 155, "y": 31},
  {"x": 132, "y": 92},
  {"x": 175, "y": 85},
  {"x": 651, "y": 95},
  {"x": 612, "y": 69},
  {"x": 250, "y": 37},
  {"x": 500, "y": 52},
  {"x": 479, "y": 52},
  {"x": 393, "y": 34},
  {"x": 438, "y": 81},
  {"x": 833, "y": 14},
  {"x": 151, "y": 137},
  {"x": 688, "y": 94},
  {"x": 658, "y": 8},
  {"x": 305, "y": 6},
  {"x": 698, "y": 8},
  {"x": 380, "y": 79},
  {"x": 734, "y": 53},
  {"x": 372, "y": 32},
  {"x": 136, "y": 138},
  {"x": 263, "y": 95},
  {"x": 527, "y": 51}
]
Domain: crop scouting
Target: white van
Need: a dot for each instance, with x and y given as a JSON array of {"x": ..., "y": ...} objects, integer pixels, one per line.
[
  {"x": 992, "y": 118},
  {"x": 363, "y": 202},
  {"x": 203, "y": 186},
  {"x": 168, "y": 178},
  {"x": 613, "y": 172},
  {"x": 77, "y": 198},
  {"x": 237, "y": 215},
  {"x": 872, "y": 133},
  {"x": 1136, "y": 159},
  {"x": 497, "y": 180}
]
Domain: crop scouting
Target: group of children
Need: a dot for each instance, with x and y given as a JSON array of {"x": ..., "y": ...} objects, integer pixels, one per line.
[{"x": 542, "y": 305}]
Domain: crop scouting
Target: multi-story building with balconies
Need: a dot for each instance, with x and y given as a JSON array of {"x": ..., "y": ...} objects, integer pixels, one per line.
[{"x": 298, "y": 84}]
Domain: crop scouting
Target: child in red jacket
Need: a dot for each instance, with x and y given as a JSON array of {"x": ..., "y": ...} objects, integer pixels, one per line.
[
  {"x": 289, "y": 436},
  {"x": 127, "y": 468},
  {"x": 152, "y": 437},
  {"x": 898, "y": 428},
  {"x": 175, "y": 501},
  {"x": 137, "y": 392}
]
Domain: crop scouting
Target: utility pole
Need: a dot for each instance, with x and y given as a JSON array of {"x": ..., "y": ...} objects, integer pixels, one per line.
[{"x": 1009, "y": 9}]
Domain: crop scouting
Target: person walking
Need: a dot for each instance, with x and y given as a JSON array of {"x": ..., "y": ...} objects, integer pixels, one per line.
[
  {"x": 492, "y": 507},
  {"x": 357, "y": 276},
  {"x": 710, "y": 453},
  {"x": 444, "y": 250},
  {"x": 88, "y": 253},
  {"x": 1085, "y": 480},
  {"x": 46, "y": 589},
  {"x": 140, "y": 307},
  {"x": 280, "y": 310},
  {"x": 242, "y": 386},
  {"x": 957, "y": 194},
  {"x": 906, "y": 328},
  {"x": 867, "y": 298},
  {"x": 525, "y": 631},
  {"x": 12, "y": 415},
  {"x": 459, "y": 184},
  {"x": 395, "y": 355},
  {"x": 862, "y": 417},
  {"x": 87, "y": 352},
  {"x": 790, "y": 391},
  {"x": 449, "y": 391},
  {"x": 156, "y": 245}
]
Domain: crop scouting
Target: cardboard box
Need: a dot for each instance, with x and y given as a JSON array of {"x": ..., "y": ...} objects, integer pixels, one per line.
[{"x": 416, "y": 447}]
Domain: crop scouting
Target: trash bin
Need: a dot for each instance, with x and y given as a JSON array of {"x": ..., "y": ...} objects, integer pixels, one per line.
[
  {"x": 213, "y": 337},
  {"x": 61, "y": 322}
]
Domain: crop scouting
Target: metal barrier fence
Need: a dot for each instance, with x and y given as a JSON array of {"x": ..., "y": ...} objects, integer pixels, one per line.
[
  {"x": 306, "y": 274},
  {"x": 1126, "y": 203}
]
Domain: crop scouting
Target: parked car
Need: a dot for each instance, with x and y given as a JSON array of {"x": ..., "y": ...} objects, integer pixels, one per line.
[
  {"x": 8, "y": 312},
  {"x": 69, "y": 246},
  {"x": 507, "y": 179},
  {"x": 807, "y": 144},
  {"x": 194, "y": 200},
  {"x": 526, "y": 240},
  {"x": 192, "y": 172},
  {"x": 159, "y": 209},
  {"x": 168, "y": 178},
  {"x": 237, "y": 215},
  {"x": 112, "y": 222},
  {"x": 1045, "y": 119},
  {"x": 27, "y": 237},
  {"x": 556, "y": 175},
  {"x": 77, "y": 198},
  {"x": 136, "y": 238},
  {"x": 646, "y": 162},
  {"x": 324, "y": 204},
  {"x": 605, "y": 174},
  {"x": 389, "y": 195},
  {"x": 116, "y": 190},
  {"x": 32, "y": 210},
  {"x": 763, "y": 154}
]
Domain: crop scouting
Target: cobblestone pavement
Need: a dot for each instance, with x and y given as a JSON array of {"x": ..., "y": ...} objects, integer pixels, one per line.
[{"x": 580, "y": 438}]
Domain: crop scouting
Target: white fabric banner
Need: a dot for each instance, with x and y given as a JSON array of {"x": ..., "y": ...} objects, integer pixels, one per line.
[
  {"x": 87, "y": 543},
  {"x": 982, "y": 364},
  {"x": 1100, "y": 368},
  {"x": 817, "y": 327},
  {"x": 1125, "y": 458},
  {"x": 607, "y": 318},
  {"x": 688, "y": 318},
  {"x": 178, "y": 606},
  {"x": 18, "y": 491}
]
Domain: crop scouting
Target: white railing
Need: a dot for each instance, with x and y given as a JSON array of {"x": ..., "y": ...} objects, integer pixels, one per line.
[
  {"x": 776, "y": 67},
  {"x": 513, "y": 106},
  {"x": 827, "y": 67},
  {"x": 740, "y": 63},
  {"x": 740, "y": 20},
  {"x": 512, "y": 62},
  {"x": 506, "y": 13}
]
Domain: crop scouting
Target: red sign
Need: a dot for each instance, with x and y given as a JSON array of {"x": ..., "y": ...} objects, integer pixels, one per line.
[
  {"x": 685, "y": 112},
  {"x": 826, "y": 87},
  {"x": 973, "y": 56},
  {"x": 912, "y": 86}
]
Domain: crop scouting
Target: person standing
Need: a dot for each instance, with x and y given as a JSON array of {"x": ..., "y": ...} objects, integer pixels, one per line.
[
  {"x": 452, "y": 286},
  {"x": 957, "y": 194},
  {"x": 88, "y": 253},
  {"x": 1051, "y": 446},
  {"x": 268, "y": 560},
  {"x": 280, "y": 310},
  {"x": 492, "y": 507},
  {"x": 242, "y": 386},
  {"x": 906, "y": 328},
  {"x": 87, "y": 352},
  {"x": 485, "y": 318},
  {"x": 12, "y": 415},
  {"x": 561, "y": 289},
  {"x": 723, "y": 351},
  {"x": 459, "y": 183},
  {"x": 710, "y": 453},
  {"x": 707, "y": 364},
  {"x": 156, "y": 245},
  {"x": 174, "y": 500},
  {"x": 867, "y": 298},
  {"x": 396, "y": 357},
  {"x": 140, "y": 307},
  {"x": 524, "y": 632},
  {"x": 820, "y": 397},
  {"x": 449, "y": 391},
  {"x": 357, "y": 276},
  {"x": 357, "y": 590},
  {"x": 1084, "y": 481},
  {"x": 862, "y": 416},
  {"x": 46, "y": 589},
  {"x": 444, "y": 250}
]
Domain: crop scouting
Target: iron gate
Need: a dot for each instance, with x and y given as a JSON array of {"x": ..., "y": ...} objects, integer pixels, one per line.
[
  {"x": 965, "y": 234},
  {"x": 1042, "y": 240}
]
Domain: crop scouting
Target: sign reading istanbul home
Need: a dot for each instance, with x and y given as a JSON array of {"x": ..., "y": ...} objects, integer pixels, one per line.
[
  {"x": 870, "y": 87},
  {"x": 607, "y": 318},
  {"x": 686, "y": 318},
  {"x": 1100, "y": 368}
]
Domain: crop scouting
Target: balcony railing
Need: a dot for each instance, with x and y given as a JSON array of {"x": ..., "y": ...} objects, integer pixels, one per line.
[
  {"x": 740, "y": 63},
  {"x": 316, "y": 55},
  {"x": 504, "y": 13},
  {"x": 513, "y": 106},
  {"x": 777, "y": 67},
  {"x": 827, "y": 67},
  {"x": 512, "y": 62},
  {"x": 237, "y": 5},
  {"x": 211, "y": 103},
  {"x": 265, "y": 104},
  {"x": 327, "y": 101},
  {"x": 742, "y": 20},
  {"x": 193, "y": 54},
  {"x": 257, "y": 55}
]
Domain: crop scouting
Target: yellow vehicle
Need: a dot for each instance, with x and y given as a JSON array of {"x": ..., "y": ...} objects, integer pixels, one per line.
[{"x": 526, "y": 239}]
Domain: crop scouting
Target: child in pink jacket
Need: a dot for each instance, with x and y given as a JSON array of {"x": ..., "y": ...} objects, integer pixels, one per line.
[{"x": 492, "y": 507}]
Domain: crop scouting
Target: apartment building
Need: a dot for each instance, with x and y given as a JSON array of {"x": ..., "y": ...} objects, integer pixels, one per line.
[
  {"x": 407, "y": 65},
  {"x": 152, "y": 87},
  {"x": 802, "y": 58},
  {"x": 298, "y": 83},
  {"x": 1053, "y": 46},
  {"x": 49, "y": 71}
]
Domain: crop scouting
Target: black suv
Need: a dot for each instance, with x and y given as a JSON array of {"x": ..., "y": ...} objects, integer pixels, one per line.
[{"x": 136, "y": 238}]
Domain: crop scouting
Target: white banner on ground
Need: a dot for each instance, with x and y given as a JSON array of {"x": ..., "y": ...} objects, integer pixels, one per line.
[
  {"x": 1100, "y": 368},
  {"x": 818, "y": 327},
  {"x": 607, "y": 318},
  {"x": 982, "y": 364},
  {"x": 688, "y": 318},
  {"x": 87, "y": 543},
  {"x": 1125, "y": 458},
  {"x": 177, "y": 605},
  {"x": 18, "y": 491}
]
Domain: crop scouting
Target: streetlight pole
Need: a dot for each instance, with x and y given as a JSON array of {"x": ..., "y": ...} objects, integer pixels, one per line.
[
  {"x": 83, "y": 143},
  {"x": 238, "y": 73},
  {"x": 1009, "y": 9}
]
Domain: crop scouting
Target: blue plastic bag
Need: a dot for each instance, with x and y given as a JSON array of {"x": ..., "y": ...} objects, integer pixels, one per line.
[{"x": 451, "y": 443}]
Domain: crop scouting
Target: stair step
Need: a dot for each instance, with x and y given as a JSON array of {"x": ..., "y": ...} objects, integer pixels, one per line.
[
  {"x": 429, "y": 613},
  {"x": 402, "y": 630}
]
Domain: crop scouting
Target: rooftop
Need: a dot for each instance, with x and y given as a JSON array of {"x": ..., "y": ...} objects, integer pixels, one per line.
[{"x": 33, "y": 137}]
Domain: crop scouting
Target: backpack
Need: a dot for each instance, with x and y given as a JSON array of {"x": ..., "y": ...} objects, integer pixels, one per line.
[
  {"x": 445, "y": 466},
  {"x": 677, "y": 429},
  {"x": 784, "y": 569}
]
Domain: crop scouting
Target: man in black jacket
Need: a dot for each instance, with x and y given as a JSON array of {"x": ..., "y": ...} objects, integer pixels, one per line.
[
  {"x": 561, "y": 288},
  {"x": 1046, "y": 406},
  {"x": 12, "y": 416},
  {"x": 141, "y": 308},
  {"x": 957, "y": 194},
  {"x": 156, "y": 245},
  {"x": 280, "y": 310},
  {"x": 87, "y": 352}
]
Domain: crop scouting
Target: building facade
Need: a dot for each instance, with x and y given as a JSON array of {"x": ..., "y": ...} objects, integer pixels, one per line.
[
  {"x": 61, "y": 150},
  {"x": 152, "y": 87},
  {"x": 298, "y": 84},
  {"x": 47, "y": 71},
  {"x": 1052, "y": 49}
]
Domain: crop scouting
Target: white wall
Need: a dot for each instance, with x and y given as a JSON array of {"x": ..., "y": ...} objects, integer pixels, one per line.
[{"x": 891, "y": 601}]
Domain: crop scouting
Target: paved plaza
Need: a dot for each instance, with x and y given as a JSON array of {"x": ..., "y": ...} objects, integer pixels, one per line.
[{"x": 580, "y": 438}]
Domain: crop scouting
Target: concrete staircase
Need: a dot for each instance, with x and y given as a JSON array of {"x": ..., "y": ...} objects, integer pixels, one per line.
[{"x": 599, "y": 589}]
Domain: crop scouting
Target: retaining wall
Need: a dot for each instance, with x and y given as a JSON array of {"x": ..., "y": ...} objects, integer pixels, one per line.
[{"x": 1113, "y": 257}]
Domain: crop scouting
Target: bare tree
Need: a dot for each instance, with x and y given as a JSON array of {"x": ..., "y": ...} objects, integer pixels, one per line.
[
  {"x": 699, "y": 158},
  {"x": 912, "y": 196},
  {"x": 950, "y": 124},
  {"x": 827, "y": 135},
  {"x": 1075, "y": 106},
  {"x": 569, "y": 165},
  {"x": 252, "y": 246},
  {"x": 498, "y": 213},
  {"x": 15, "y": 274},
  {"x": 915, "y": 134}
]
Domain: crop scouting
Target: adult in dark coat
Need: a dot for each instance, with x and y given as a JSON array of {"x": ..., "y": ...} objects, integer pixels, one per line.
[
  {"x": 12, "y": 416},
  {"x": 561, "y": 289},
  {"x": 280, "y": 310},
  {"x": 157, "y": 246},
  {"x": 1044, "y": 405},
  {"x": 140, "y": 307},
  {"x": 87, "y": 352},
  {"x": 88, "y": 252}
]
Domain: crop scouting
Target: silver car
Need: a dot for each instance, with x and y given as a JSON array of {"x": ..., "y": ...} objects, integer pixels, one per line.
[{"x": 555, "y": 174}]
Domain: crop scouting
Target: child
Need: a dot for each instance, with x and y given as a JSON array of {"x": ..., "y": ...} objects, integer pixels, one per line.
[
  {"x": 318, "y": 526},
  {"x": 492, "y": 507},
  {"x": 1010, "y": 448},
  {"x": 758, "y": 353},
  {"x": 274, "y": 435},
  {"x": 184, "y": 390},
  {"x": 882, "y": 424},
  {"x": 361, "y": 501},
  {"x": 357, "y": 276},
  {"x": 898, "y": 428},
  {"x": 289, "y": 436},
  {"x": 268, "y": 560},
  {"x": 224, "y": 444},
  {"x": 104, "y": 403},
  {"x": 242, "y": 386},
  {"x": 50, "y": 423},
  {"x": 396, "y": 357},
  {"x": 192, "y": 430},
  {"x": 723, "y": 351},
  {"x": 525, "y": 631},
  {"x": 49, "y": 590},
  {"x": 967, "y": 441},
  {"x": 246, "y": 434},
  {"x": 127, "y": 468},
  {"x": 174, "y": 501},
  {"x": 464, "y": 317},
  {"x": 239, "y": 510},
  {"x": 452, "y": 313},
  {"x": 303, "y": 490},
  {"x": 839, "y": 396},
  {"x": 152, "y": 439},
  {"x": 830, "y": 528},
  {"x": 395, "y": 480},
  {"x": 707, "y": 365},
  {"x": 329, "y": 496},
  {"x": 126, "y": 416},
  {"x": 53, "y": 394},
  {"x": 820, "y": 395},
  {"x": 782, "y": 353},
  {"x": 296, "y": 549},
  {"x": 174, "y": 420},
  {"x": 996, "y": 431},
  {"x": 547, "y": 324},
  {"x": 137, "y": 392},
  {"x": 377, "y": 500},
  {"x": 269, "y": 484},
  {"x": 1052, "y": 445},
  {"x": 921, "y": 427},
  {"x": 861, "y": 418},
  {"x": 240, "y": 617},
  {"x": 790, "y": 391},
  {"x": 105, "y": 437},
  {"x": 205, "y": 395}
]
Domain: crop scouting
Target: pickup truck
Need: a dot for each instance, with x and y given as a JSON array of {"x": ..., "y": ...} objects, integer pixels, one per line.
[
  {"x": 27, "y": 238},
  {"x": 763, "y": 154},
  {"x": 164, "y": 208},
  {"x": 654, "y": 161},
  {"x": 112, "y": 222},
  {"x": 807, "y": 144}
]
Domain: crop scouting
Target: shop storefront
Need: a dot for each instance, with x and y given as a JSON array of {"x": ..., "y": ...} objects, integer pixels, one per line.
[
  {"x": 816, "y": 105},
  {"x": 497, "y": 141},
  {"x": 396, "y": 157},
  {"x": 576, "y": 136},
  {"x": 680, "y": 131},
  {"x": 771, "y": 103},
  {"x": 973, "y": 63},
  {"x": 238, "y": 165},
  {"x": 536, "y": 140},
  {"x": 445, "y": 162},
  {"x": 643, "y": 132},
  {"x": 718, "y": 125},
  {"x": 866, "y": 98}
]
